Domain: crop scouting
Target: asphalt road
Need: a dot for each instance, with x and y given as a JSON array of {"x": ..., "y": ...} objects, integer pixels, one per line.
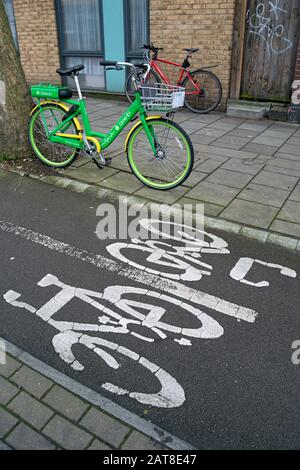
[{"x": 222, "y": 380}]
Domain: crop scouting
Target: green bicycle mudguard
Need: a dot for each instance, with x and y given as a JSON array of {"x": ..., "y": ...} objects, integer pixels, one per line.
[{"x": 46, "y": 90}]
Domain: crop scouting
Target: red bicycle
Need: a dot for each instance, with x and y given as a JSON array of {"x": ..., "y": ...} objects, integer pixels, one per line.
[{"x": 203, "y": 89}]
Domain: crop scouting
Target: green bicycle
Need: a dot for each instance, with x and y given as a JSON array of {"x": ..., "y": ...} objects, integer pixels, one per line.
[{"x": 159, "y": 151}]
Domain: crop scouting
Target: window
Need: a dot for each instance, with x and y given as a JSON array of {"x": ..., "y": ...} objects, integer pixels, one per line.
[
  {"x": 137, "y": 26},
  {"x": 81, "y": 38},
  {"x": 9, "y": 8}
]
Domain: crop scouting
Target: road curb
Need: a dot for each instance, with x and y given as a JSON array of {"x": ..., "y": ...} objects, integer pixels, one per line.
[
  {"x": 254, "y": 234},
  {"x": 151, "y": 430}
]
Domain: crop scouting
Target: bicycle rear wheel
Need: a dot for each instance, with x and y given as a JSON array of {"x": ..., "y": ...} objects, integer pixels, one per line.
[
  {"x": 151, "y": 79},
  {"x": 210, "y": 92},
  {"x": 174, "y": 158},
  {"x": 49, "y": 115}
]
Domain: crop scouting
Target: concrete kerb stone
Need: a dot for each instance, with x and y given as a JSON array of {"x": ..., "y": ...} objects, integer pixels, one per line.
[
  {"x": 285, "y": 242},
  {"x": 262, "y": 236},
  {"x": 116, "y": 411},
  {"x": 223, "y": 225},
  {"x": 254, "y": 234}
]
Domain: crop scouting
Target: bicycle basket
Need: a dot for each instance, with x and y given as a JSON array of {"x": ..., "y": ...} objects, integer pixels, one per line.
[{"x": 161, "y": 97}]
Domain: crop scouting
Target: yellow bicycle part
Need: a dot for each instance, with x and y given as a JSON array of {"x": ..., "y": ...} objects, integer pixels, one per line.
[
  {"x": 76, "y": 122},
  {"x": 80, "y": 137},
  {"x": 62, "y": 105}
]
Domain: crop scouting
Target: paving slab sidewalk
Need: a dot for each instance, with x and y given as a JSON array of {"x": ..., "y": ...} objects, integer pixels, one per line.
[
  {"x": 245, "y": 171},
  {"x": 38, "y": 413}
]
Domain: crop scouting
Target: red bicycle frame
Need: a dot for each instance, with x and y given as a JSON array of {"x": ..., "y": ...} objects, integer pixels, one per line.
[{"x": 153, "y": 63}]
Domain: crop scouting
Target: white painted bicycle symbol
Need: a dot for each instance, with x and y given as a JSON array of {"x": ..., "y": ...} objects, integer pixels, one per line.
[
  {"x": 183, "y": 259},
  {"x": 141, "y": 313},
  {"x": 120, "y": 310}
]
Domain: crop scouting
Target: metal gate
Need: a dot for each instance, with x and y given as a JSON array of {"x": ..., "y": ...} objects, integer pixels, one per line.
[{"x": 271, "y": 38}]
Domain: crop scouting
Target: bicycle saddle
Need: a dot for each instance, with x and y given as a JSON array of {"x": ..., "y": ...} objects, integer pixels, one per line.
[
  {"x": 191, "y": 51},
  {"x": 70, "y": 70}
]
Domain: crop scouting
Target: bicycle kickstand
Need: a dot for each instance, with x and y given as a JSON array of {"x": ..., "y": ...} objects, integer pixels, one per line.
[{"x": 104, "y": 162}]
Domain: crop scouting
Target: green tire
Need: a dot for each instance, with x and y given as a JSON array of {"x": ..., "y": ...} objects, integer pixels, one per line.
[
  {"x": 52, "y": 154},
  {"x": 177, "y": 155}
]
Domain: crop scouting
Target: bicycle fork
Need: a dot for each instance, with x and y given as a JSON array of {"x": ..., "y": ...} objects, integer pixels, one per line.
[{"x": 150, "y": 134}]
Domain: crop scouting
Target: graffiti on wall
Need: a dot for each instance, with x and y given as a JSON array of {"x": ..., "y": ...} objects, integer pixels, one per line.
[
  {"x": 296, "y": 92},
  {"x": 268, "y": 26},
  {"x": 294, "y": 109}
]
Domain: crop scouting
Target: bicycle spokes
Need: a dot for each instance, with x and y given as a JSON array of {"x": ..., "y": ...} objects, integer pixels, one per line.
[
  {"x": 171, "y": 161},
  {"x": 203, "y": 91},
  {"x": 43, "y": 122}
]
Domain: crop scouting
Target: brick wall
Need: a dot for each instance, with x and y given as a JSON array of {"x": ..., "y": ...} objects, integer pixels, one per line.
[
  {"x": 178, "y": 24},
  {"x": 174, "y": 24},
  {"x": 37, "y": 35}
]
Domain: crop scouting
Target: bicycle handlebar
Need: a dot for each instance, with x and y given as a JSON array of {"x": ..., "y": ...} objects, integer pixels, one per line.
[
  {"x": 121, "y": 65},
  {"x": 110, "y": 63},
  {"x": 151, "y": 47}
]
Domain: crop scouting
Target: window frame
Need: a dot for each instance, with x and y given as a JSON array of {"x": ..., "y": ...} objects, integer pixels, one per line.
[
  {"x": 15, "y": 33},
  {"x": 136, "y": 54},
  {"x": 63, "y": 52}
]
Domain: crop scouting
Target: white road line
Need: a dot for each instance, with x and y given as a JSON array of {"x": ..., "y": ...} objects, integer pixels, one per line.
[{"x": 172, "y": 287}]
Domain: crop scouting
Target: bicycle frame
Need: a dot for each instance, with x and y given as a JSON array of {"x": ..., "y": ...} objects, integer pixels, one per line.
[
  {"x": 102, "y": 141},
  {"x": 153, "y": 63}
]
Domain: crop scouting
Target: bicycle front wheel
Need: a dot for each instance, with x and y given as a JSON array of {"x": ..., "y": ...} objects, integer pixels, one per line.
[
  {"x": 151, "y": 79},
  {"x": 209, "y": 96},
  {"x": 174, "y": 157}
]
